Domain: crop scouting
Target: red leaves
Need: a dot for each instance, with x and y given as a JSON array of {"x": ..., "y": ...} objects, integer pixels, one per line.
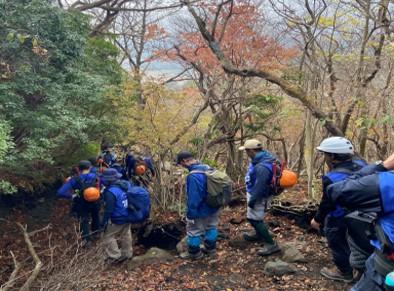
[{"x": 241, "y": 38}]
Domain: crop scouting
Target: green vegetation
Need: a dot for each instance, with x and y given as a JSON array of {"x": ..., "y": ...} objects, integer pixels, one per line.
[{"x": 56, "y": 88}]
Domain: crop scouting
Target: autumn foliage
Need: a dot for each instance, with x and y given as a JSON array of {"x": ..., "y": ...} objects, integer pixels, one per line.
[{"x": 242, "y": 38}]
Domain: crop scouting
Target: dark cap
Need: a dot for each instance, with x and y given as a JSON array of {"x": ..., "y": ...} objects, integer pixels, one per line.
[
  {"x": 110, "y": 175},
  {"x": 183, "y": 155},
  {"x": 84, "y": 165}
]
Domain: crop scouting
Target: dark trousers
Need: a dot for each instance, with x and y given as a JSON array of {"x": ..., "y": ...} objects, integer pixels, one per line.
[
  {"x": 335, "y": 230},
  {"x": 86, "y": 212}
]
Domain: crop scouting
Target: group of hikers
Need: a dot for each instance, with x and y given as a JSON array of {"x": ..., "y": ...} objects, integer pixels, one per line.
[{"x": 356, "y": 212}]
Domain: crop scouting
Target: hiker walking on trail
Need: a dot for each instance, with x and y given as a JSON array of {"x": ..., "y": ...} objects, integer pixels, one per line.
[
  {"x": 202, "y": 220},
  {"x": 370, "y": 192},
  {"x": 108, "y": 156},
  {"x": 84, "y": 189},
  {"x": 115, "y": 223},
  {"x": 339, "y": 157},
  {"x": 258, "y": 179}
]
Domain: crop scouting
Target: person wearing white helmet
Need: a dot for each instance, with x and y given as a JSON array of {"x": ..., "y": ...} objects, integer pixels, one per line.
[{"x": 339, "y": 157}]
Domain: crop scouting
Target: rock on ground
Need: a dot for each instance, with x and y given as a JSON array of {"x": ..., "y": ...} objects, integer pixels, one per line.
[
  {"x": 181, "y": 247},
  {"x": 292, "y": 255},
  {"x": 153, "y": 255},
  {"x": 279, "y": 268}
]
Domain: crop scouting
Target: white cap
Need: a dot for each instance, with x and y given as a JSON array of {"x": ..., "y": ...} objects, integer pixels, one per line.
[
  {"x": 336, "y": 145},
  {"x": 251, "y": 144}
]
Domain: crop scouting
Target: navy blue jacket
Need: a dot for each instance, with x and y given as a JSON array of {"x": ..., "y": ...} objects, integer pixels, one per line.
[
  {"x": 358, "y": 192},
  {"x": 370, "y": 190},
  {"x": 339, "y": 172},
  {"x": 109, "y": 158},
  {"x": 67, "y": 189},
  {"x": 259, "y": 176},
  {"x": 196, "y": 192}
]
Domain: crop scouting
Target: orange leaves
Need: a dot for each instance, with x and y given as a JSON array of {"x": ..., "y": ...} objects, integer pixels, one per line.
[
  {"x": 241, "y": 38},
  {"x": 154, "y": 31}
]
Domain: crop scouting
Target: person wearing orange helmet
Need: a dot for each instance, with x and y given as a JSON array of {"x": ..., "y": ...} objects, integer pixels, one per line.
[
  {"x": 84, "y": 190},
  {"x": 339, "y": 157}
]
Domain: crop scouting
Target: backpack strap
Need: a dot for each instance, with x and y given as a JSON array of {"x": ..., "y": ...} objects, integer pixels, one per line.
[{"x": 80, "y": 183}]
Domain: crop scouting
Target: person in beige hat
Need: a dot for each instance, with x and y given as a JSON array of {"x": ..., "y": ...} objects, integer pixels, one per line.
[{"x": 258, "y": 188}]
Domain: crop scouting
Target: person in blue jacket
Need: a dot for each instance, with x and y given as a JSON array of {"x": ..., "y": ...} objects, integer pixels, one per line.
[
  {"x": 115, "y": 219},
  {"x": 258, "y": 189},
  {"x": 202, "y": 220},
  {"x": 108, "y": 156},
  {"x": 371, "y": 191},
  {"x": 85, "y": 211},
  {"x": 339, "y": 157}
]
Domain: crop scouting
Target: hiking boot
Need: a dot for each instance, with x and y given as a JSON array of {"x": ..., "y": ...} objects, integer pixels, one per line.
[
  {"x": 86, "y": 244},
  {"x": 116, "y": 261},
  {"x": 251, "y": 237},
  {"x": 209, "y": 252},
  {"x": 336, "y": 275},
  {"x": 193, "y": 257},
  {"x": 269, "y": 249}
]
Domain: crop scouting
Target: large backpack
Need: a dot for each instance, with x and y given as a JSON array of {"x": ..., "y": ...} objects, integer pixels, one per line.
[
  {"x": 89, "y": 191},
  {"x": 138, "y": 204},
  {"x": 219, "y": 187}
]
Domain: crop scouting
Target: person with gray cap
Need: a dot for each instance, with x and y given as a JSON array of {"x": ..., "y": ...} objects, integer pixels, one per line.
[
  {"x": 258, "y": 189},
  {"x": 339, "y": 157},
  {"x": 115, "y": 220}
]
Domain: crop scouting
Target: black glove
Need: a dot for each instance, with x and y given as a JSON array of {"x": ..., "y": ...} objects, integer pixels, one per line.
[{"x": 251, "y": 203}]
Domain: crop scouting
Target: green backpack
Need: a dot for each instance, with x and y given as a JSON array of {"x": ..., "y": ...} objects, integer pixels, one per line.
[{"x": 219, "y": 187}]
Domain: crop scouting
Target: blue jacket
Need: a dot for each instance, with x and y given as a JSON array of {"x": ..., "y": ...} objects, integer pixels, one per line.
[
  {"x": 67, "y": 189},
  {"x": 109, "y": 158},
  {"x": 149, "y": 163},
  {"x": 116, "y": 203},
  {"x": 369, "y": 190},
  {"x": 258, "y": 178},
  {"x": 339, "y": 172},
  {"x": 196, "y": 192}
]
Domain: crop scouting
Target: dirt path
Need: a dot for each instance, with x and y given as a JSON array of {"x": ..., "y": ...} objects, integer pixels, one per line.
[{"x": 232, "y": 268}]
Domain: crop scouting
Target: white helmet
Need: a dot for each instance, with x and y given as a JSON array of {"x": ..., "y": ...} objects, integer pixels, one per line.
[{"x": 336, "y": 145}]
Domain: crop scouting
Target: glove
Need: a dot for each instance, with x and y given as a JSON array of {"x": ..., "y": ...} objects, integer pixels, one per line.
[
  {"x": 190, "y": 220},
  {"x": 251, "y": 203}
]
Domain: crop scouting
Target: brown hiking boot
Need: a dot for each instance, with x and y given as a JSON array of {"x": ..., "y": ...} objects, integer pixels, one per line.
[{"x": 336, "y": 275}]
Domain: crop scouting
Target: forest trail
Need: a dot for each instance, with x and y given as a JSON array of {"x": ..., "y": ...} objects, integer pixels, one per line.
[{"x": 235, "y": 267}]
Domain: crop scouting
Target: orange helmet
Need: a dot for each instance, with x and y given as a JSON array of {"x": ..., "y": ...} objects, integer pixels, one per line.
[
  {"x": 140, "y": 170},
  {"x": 91, "y": 194},
  {"x": 287, "y": 179}
]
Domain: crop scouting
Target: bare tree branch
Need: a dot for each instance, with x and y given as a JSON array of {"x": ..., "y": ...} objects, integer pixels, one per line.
[
  {"x": 291, "y": 89},
  {"x": 11, "y": 281},
  {"x": 26, "y": 286}
]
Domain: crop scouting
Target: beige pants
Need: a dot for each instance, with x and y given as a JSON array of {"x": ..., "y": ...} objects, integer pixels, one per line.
[
  {"x": 112, "y": 234},
  {"x": 258, "y": 211}
]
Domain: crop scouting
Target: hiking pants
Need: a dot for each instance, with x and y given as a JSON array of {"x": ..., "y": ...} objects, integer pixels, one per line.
[
  {"x": 198, "y": 227},
  {"x": 258, "y": 211},
  {"x": 371, "y": 280},
  {"x": 114, "y": 233},
  {"x": 335, "y": 230},
  {"x": 87, "y": 211}
]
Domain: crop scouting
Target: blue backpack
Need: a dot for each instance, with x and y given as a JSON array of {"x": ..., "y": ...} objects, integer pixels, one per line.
[{"x": 138, "y": 204}]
